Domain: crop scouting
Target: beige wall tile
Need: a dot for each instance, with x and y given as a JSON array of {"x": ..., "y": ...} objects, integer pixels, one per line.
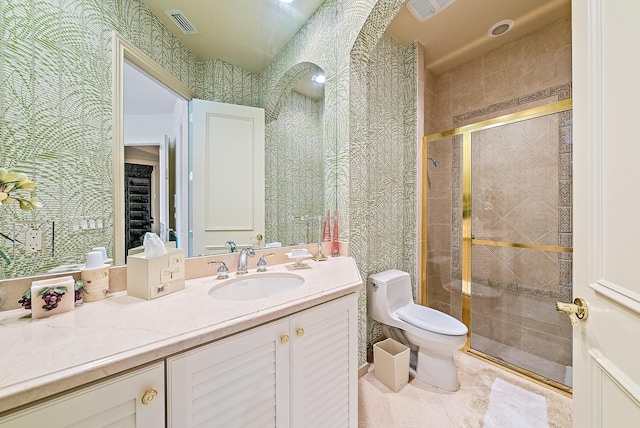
[
  {"x": 512, "y": 53},
  {"x": 467, "y": 97},
  {"x": 470, "y": 73}
]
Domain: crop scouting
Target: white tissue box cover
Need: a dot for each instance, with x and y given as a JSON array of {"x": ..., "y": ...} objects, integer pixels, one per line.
[{"x": 149, "y": 278}]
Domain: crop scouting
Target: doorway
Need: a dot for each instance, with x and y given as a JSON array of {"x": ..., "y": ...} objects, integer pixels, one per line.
[
  {"x": 124, "y": 55},
  {"x": 152, "y": 116},
  {"x": 498, "y": 238}
]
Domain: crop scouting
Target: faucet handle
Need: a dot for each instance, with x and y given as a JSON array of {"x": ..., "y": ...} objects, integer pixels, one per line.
[
  {"x": 232, "y": 246},
  {"x": 262, "y": 264},
  {"x": 223, "y": 270}
]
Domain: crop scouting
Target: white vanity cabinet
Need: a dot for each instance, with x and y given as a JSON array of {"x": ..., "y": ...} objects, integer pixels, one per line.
[
  {"x": 135, "y": 399},
  {"x": 300, "y": 371},
  {"x": 323, "y": 365}
]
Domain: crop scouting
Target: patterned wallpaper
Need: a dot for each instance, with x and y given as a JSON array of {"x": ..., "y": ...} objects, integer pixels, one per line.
[
  {"x": 390, "y": 154},
  {"x": 295, "y": 181},
  {"x": 55, "y": 116},
  {"x": 382, "y": 157}
]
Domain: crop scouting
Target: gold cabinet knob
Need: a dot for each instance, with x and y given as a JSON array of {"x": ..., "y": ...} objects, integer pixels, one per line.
[
  {"x": 149, "y": 395},
  {"x": 300, "y": 332},
  {"x": 284, "y": 339}
]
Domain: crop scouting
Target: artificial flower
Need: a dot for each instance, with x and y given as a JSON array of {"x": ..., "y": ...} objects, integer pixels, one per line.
[{"x": 10, "y": 183}]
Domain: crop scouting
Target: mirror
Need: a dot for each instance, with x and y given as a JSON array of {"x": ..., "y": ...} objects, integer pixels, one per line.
[
  {"x": 294, "y": 158},
  {"x": 300, "y": 156}
]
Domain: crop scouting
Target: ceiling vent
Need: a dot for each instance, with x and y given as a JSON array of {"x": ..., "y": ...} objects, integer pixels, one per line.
[
  {"x": 425, "y": 9},
  {"x": 181, "y": 21}
]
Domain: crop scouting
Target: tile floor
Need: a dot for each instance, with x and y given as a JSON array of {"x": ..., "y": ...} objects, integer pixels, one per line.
[{"x": 419, "y": 405}]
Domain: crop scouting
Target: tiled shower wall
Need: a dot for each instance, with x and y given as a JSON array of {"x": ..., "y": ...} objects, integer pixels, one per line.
[
  {"x": 532, "y": 63},
  {"x": 533, "y": 70}
]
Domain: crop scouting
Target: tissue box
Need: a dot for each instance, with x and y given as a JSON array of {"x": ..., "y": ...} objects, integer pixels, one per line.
[
  {"x": 149, "y": 278},
  {"x": 46, "y": 291}
]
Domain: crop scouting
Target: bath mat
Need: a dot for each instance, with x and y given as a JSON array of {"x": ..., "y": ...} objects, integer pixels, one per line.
[
  {"x": 498, "y": 401},
  {"x": 510, "y": 405}
]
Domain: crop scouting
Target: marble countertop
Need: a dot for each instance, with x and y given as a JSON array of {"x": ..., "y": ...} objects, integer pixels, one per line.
[{"x": 42, "y": 357}]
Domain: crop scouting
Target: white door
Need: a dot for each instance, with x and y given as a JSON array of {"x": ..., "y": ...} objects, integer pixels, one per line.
[
  {"x": 163, "y": 224},
  {"x": 606, "y": 205},
  {"x": 227, "y": 189}
]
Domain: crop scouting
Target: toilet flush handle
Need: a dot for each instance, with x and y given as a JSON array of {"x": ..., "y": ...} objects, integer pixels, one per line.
[{"x": 577, "y": 311}]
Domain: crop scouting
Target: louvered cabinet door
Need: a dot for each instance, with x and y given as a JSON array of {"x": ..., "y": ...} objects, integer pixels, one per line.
[
  {"x": 324, "y": 375},
  {"x": 242, "y": 381},
  {"x": 135, "y": 399}
]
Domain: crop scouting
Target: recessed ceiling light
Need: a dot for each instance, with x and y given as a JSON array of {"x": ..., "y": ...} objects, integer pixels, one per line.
[
  {"x": 500, "y": 28},
  {"x": 286, "y": 1},
  {"x": 319, "y": 78}
]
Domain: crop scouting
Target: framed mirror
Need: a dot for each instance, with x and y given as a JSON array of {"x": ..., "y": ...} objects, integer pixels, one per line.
[{"x": 296, "y": 156}]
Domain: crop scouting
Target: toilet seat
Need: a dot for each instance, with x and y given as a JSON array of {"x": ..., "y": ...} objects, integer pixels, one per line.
[{"x": 431, "y": 320}]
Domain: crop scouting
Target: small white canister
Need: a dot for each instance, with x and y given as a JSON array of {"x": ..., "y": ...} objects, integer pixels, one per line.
[
  {"x": 95, "y": 277},
  {"x": 95, "y": 283}
]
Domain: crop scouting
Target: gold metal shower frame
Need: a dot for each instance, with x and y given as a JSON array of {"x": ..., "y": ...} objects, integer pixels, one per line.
[{"x": 467, "y": 238}]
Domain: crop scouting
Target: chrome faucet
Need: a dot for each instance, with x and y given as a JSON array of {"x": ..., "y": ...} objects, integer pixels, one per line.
[
  {"x": 262, "y": 263},
  {"x": 242, "y": 260},
  {"x": 223, "y": 271}
]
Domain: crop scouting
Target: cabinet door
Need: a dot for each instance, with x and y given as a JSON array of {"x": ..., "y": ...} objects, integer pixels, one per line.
[
  {"x": 324, "y": 381},
  {"x": 242, "y": 382},
  {"x": 113, "y": 403}
]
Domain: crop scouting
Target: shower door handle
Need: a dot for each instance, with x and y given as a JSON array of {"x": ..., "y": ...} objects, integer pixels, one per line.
[{"x": 577, "y": 311}]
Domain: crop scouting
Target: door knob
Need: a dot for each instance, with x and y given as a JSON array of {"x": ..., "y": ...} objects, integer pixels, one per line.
[{"x": 577, "y": 311}]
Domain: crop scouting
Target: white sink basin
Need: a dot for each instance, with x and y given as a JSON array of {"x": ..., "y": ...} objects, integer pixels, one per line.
[{"x": 256, "y": 286}]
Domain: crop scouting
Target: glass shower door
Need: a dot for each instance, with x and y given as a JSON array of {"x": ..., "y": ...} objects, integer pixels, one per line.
[{"x": 520, "y": 258}]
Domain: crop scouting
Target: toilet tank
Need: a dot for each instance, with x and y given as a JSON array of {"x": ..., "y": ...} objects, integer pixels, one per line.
[{"x": 388, "y": 291}]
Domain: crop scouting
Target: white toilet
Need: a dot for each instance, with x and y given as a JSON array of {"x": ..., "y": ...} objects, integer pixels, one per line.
[{"x": 436, "y": 334}]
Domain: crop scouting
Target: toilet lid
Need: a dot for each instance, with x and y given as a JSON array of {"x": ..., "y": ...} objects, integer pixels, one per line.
[{"x": 431, "y": 320}]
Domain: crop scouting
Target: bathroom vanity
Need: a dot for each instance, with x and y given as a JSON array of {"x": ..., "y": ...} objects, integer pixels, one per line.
[{"x": 284, "y": 360}]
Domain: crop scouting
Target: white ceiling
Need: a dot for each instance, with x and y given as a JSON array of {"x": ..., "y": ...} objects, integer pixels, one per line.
[
  {"x": 249, "y": 33},
  {"x": 245, "y": 33}
]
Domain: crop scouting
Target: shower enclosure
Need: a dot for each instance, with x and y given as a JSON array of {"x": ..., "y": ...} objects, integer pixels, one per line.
[{"x": 497, "y": 237}]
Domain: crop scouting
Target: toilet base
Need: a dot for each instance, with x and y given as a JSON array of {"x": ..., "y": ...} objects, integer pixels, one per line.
[{"x": 437, "y": 369}]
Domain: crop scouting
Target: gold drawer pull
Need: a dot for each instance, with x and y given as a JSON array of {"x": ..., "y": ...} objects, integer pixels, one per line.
[
  {"x": 149, "y": 395},
  {"x": 284, "y": 339},
  {"x": 300, "y": 332}
]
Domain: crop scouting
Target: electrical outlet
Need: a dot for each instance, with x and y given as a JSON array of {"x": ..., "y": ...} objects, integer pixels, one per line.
[{"x": 33, "y": 240}]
